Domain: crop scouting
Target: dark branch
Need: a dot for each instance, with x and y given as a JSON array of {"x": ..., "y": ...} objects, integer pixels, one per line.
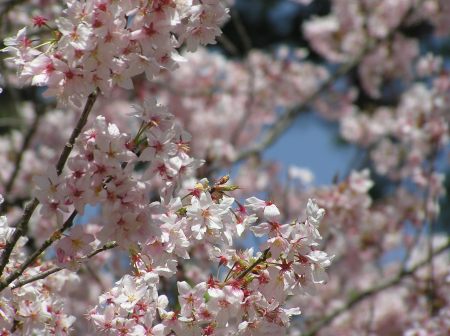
[{"x": 22, "y": 226}]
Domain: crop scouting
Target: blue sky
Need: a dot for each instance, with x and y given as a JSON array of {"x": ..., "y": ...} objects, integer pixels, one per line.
[{"x": 313, "y": 143}]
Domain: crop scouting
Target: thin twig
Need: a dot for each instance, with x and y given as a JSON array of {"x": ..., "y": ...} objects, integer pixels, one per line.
[
  {"x": 241, "y": 30},
  {"x": 287, "y": 118},
  {"x": 247, "y": 42},
  {"x": 21, "y": 228},
  {"x": 249, "y": 102},
  {"x": 45, "y": 274},
  {"x": 410, "y": 249},
  {"x": 18, "y": 161},
  {"x": 35, "y": 255},
  {"x": 261, "y": 259},
  {"x": 430, "y": 219},
  {"x": 228, "y": 45}
]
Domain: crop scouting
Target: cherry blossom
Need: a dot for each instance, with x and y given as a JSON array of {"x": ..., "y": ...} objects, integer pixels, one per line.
[{"x": 138, "y": 200}]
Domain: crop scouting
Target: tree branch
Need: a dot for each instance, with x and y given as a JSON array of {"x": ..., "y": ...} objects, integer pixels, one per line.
[
  {"x": 33, "y": 257},
  {"x": 53, "y": 270},
  {"x": 374, "y": 290},
  {"x": 22, "y": 226},
  {"x": 76, "y": 131},
  {"x": 241, "y": 30},
  {"x": 250, "y": 268},
  {"x": 18, "y": 161},
  {"x": 287, "y": 118}
]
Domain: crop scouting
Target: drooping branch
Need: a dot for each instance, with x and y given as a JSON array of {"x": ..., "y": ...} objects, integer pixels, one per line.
[{"x": 19, "y": 232}]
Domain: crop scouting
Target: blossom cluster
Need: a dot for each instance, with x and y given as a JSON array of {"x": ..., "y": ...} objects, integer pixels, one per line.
[
  {"x": 402, "y": 141},
  {"x": 249, "y": 300},
  {"x": 353, "y": 28},
  {"x": 157, "y": 234},
  {"x": 258, "y": 89},
  {"x": 101, "y": 173},
  {"x": 37, "y": 308},
  {"x": 187, "y": 238},
  {"x": 100, "y": 44},
  {"x": 350, "y": 25}
]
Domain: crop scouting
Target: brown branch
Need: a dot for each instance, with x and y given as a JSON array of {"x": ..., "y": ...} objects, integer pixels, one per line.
[
  {"x": 22, "y": 226},
  {"x": 430, "y": 219},
  {"x": 241, "y": 30},
  {"x": 43, "y": 275},
  {"x": 247, "y": 43},
  {"x": 228, "y": 45},
  {"x": 18, "y": 161},
  {"x": 374, "y": 290},
  {"x": 37, "y": 277},
  {"x": 26, "y": 143},
  {"x": 35, "y": 255},
  {"x": 95, "y": 277},
  {"x": 258, "y": 261},
  {"x": 76, "y": 131}
]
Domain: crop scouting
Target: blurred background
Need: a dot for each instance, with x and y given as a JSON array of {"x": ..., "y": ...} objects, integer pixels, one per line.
[{"x": 312, "y": 141}]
